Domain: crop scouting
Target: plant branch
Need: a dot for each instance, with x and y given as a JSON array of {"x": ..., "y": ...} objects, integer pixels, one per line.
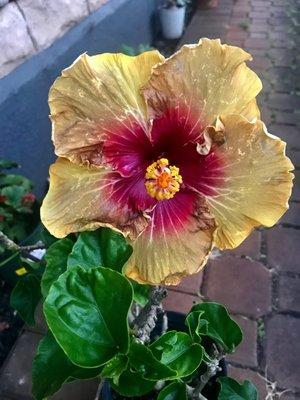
[
  {"x": 12, "y": 246},
  {"x": 99, "y": 390},
  {"x": 145, "y": 322},
  {"x": 24, "y": 250},
  {"x": 191, "y": 395},
  {"x": 211, "y": 371}
]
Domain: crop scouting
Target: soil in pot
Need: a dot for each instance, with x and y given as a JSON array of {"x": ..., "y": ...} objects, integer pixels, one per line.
[{"x": 176, "y": 322}]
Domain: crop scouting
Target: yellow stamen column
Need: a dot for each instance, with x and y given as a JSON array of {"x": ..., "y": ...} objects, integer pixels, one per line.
[{"x": 162, "y": 181}]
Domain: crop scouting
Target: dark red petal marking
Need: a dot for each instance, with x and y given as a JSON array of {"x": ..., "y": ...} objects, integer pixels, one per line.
[
  {"x": 127, "y": 148},
  {"x": 177, "y": 125},
  {"x": 174, "y": 136},
  {"x": 171, "y": 216},
  {"x": 130, "y": 192}
]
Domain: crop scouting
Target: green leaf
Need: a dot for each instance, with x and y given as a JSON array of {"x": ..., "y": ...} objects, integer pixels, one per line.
[
  {"x": 25, "y": 297},
  {"x": 177, "y": 351},
  {"x": 141, "y": 293},
  {"x": 19, "y": 180},
  {"x": 13, "y": 195},
  {"x": 128, "y": 50},
  {"x": 46, "y": 237},
  {"x": 7, "y": 164},
  {"x": 101, "y": 248},
  {"x": 174, "y": 391},
  {"x": 132, "y": 384},
  {"x": 195, "y": 325},
  {"x": 220, "y": 326},
  {"x": 144, "y": 362},
  {"x": 51, "y": 368},
  {"x": 56, "y": 258},
  {"x": 232, "y": 390},
  {"x": 87, "y": 311},
  {"x": 115, "y": 367}
]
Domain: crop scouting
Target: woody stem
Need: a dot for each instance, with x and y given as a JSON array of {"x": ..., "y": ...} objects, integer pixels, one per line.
[{"x": 145, "y": 322}]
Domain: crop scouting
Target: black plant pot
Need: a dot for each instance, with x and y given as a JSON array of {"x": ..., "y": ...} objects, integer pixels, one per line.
[{"x": 176, "y": 322}]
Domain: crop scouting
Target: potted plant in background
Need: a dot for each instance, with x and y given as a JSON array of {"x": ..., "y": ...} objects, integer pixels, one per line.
[
  {"x": 172, "y": 17},
  {"x": 153, "y": 172},
  {"x": 19, "y": 216}
]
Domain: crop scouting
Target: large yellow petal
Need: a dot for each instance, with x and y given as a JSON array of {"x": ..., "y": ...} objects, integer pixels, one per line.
[
  {"x": 79, "y": 200},
  {"x": 257, "y": 181},
  {"x": 209, "y": 78},
  {"x": 93, "y": 94},
  {"x": 165, "y": 256}
]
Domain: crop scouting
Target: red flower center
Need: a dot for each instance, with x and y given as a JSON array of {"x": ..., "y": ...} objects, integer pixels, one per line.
[{"x": 162, "y": 164}]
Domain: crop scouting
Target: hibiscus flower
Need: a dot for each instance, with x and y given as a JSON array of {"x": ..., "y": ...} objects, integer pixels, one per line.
[{"x": 169, "y": 152}]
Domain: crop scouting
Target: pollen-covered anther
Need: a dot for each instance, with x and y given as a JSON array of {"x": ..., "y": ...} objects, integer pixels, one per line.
[{"x": 162, "y": 181}]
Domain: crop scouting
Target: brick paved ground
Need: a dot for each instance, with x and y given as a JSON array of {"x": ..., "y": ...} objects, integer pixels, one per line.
[{"x": 259, "y": 281}]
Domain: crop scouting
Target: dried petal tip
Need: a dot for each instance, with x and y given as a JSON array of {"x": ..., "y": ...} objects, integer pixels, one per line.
[{"x": 162, "y": 181}]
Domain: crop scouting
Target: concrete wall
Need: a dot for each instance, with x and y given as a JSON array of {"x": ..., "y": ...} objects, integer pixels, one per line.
[
  {"x": 28, "y": 26},
  {"x": 24, "y": 124}
]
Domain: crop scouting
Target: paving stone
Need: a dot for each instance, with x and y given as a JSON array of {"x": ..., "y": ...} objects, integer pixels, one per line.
[
  {"x": 15, "y": 377},
  {"x": 295, "y": 157},
  {"x": 259, "y": 35},
  {"x": 254, "y": 43},
  {"x": 16, "y": 47},
  {"x": 258, "y": 380},
  {"x": 288, "y": 118},
  {"x": 296, "y": 187},
  {"x": 292, "y": 216},
  {"x": 284, "y": 102},
  {"x": 289, "y": 396},
  {"x": 257, "y": 53},
  {"x": 289, "y": 293},
  {"x": 246, "y": 352},
  {"x": 190, "y": 284},
  {"x": 250, "y": 247},
  {"x": 267, "y": 115},
  {"x": 259, "y": 15},
  {"x": 284, "y": 20},
  {"x": 283, "y": 251},
  {"x": 237, "y": 35},
  {"x": 180, "y": 302},
  {"x": 280, "y": 72},
  {"x": 244, "y": 286},
  {"x": 283, "y": 350},
  {"x": 47, "y": 20},
  {"x": 240, "y": 14},
  {"x": 85, "y": 389},
  {"x": 281, "y": 57},
  {"x": 260, "y": 62},
  {"x": 289, "y": 134},
  {"x": 261, "y": 3},
  {"x": 259, "y": 26},
  {"x": 241, "y": 7}
]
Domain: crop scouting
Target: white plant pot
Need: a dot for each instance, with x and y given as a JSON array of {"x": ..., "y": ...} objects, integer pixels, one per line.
[{"x": 172, "y": 22}]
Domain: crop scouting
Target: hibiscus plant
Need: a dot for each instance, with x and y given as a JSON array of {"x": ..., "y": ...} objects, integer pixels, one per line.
[{"x": 159, "y": 161}]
